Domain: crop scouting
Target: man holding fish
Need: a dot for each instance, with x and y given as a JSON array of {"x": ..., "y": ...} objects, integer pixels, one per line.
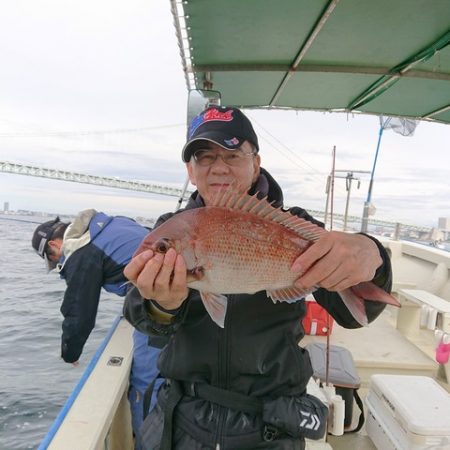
[{"x": 225, "y": 279}]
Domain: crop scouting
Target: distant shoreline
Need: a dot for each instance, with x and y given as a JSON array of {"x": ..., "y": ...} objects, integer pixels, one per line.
[
  {"x": 40, "y": 217},
  {"x": 15, "y": 219}
]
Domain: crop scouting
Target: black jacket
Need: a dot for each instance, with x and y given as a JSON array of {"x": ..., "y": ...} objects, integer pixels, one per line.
[{"x": 255, "y": 354}]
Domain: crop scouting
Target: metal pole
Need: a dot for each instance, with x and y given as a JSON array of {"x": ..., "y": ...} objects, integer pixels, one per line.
[
  {"x": 183, "y": 193},
  {"x": 348, "y": 185},
  {"x": 333, "y": 173},
  {"x": 365, "y": 217},
  {"x": 327, "y": 191},
  {"x": 397, "y": 231}
]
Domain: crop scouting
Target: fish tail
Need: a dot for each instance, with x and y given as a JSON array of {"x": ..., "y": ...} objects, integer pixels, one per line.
[
  {"x": 216, "y": 305},
  {"x": 371, "y": 291},
  {"x": 355, "y": 305},
  {"x": 355, "y": 296}
]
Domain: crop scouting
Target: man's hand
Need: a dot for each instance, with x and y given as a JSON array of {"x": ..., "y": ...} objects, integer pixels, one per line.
[
  {"x": 159, "y": 277},
  {"x": 337, "y": 261}
]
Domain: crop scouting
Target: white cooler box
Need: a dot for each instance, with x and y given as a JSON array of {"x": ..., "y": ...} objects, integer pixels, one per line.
[{"x": 408, "y": 413}]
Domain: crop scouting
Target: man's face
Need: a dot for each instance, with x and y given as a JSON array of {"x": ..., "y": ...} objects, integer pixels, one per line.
[
  {"x": 210, "y": 179},
  {"x": 54, "y": 250}
]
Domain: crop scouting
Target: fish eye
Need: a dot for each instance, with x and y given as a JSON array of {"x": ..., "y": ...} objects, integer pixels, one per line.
[{"x": 162, "y": 245}]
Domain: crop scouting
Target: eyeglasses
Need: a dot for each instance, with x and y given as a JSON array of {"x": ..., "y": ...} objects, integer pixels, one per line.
[{"x": 233, "y": 158}]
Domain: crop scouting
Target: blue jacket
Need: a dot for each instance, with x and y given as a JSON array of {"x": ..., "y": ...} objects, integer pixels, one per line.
[{"x": 96, "y": 248}]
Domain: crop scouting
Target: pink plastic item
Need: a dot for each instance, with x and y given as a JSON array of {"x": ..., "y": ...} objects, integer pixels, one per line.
[{"x": 442, "y": 353}]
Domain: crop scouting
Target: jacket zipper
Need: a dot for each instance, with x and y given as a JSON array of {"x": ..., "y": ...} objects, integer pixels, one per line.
[{"x": 223, "y": 370}]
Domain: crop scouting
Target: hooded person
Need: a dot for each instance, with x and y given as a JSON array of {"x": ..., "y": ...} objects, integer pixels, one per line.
[{"x": 90, "y": 254}]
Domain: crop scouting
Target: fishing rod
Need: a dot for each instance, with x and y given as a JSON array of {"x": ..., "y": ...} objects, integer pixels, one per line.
[
  {"x": 335, "y": 402},
  {"x": 331, "y": 179}
]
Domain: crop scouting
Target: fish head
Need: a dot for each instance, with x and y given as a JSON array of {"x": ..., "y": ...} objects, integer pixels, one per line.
[{"x": 179, "y": 232}]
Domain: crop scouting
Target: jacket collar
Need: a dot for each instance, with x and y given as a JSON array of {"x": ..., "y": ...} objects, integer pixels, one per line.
[{"x": 76, "y": 236}]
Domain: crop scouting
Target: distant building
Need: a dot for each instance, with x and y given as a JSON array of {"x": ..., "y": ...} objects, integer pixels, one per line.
[
  {"x": 6, "y": 207},
  {"x": 444, "y": 223},
  {"x": 444, "y": 226}
]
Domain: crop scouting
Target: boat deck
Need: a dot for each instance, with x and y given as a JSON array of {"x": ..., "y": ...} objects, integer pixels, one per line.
[
  {"x": 391, "y": 352},
  {"x": 359, "y": 441}
]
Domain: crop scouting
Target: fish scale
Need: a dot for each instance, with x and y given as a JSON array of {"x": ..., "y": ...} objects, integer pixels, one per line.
[
  {"x": 241, "y": 245},
  {"x": 241, "y": 258}
]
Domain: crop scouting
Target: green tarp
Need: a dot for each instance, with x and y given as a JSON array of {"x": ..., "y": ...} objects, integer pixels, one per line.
[{"x": 388, "y": 57}]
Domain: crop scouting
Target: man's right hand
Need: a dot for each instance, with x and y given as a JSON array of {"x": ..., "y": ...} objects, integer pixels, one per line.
[{"x": 159, "y": 277}]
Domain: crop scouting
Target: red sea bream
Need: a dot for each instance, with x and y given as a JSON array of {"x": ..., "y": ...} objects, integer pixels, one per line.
[{"x": 244, "y": 245}]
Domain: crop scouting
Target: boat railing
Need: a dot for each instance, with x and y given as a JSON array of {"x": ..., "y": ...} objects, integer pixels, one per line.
[{"x": 96, "y": 415}]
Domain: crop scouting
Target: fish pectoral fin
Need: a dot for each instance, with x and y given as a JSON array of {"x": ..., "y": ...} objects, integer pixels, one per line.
[
  {"x": 289, "y": 295},
  {"x": 195, "y": 274},
  {"x": 355, "y": 305},
  {"x": 216, "y": 305}
]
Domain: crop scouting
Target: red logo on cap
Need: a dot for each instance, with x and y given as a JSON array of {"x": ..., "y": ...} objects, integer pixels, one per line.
[
  {"x": 209, "y": 116},
  {"x": 215, "y": 114}
]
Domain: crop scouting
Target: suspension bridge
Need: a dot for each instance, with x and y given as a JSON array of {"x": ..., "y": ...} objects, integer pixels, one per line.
[
  {"x": 113, "y": 182},
  {"x": 76, "y": 177}
]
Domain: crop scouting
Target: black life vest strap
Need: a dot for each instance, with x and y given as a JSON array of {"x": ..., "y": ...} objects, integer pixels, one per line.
[
  {"x": 148, "y": 397},
  {"x": 223, "y": 397},
  {"x": 174, "y": 397},
  {"x": 361, "y": 415}
]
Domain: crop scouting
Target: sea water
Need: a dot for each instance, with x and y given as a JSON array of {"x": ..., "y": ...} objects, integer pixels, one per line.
[{"x": 34, "y": 381}]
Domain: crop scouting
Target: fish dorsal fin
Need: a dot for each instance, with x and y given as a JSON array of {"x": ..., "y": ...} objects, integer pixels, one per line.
[{"x": 230, "y": 199}]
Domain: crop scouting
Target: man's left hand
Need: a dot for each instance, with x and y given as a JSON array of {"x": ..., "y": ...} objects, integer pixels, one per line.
[{"x": 337, "y": 261}]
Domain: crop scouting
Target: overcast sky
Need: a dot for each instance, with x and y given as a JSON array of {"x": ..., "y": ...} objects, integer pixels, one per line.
[{"x": 97, "y": 87}]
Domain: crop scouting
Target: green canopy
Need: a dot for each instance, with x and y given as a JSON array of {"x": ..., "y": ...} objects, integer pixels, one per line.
[{"x": 388, "y": 57}]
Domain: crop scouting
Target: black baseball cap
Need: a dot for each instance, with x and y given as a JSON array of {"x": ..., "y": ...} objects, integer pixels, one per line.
[
  {"x": 222, "y": 125},
  {"x": 41, "y": 236}
]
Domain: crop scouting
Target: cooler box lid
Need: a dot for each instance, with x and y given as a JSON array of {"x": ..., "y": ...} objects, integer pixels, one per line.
[
  {"x": 417, "y": 402},
  {"x": 342, "y": 371}
]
